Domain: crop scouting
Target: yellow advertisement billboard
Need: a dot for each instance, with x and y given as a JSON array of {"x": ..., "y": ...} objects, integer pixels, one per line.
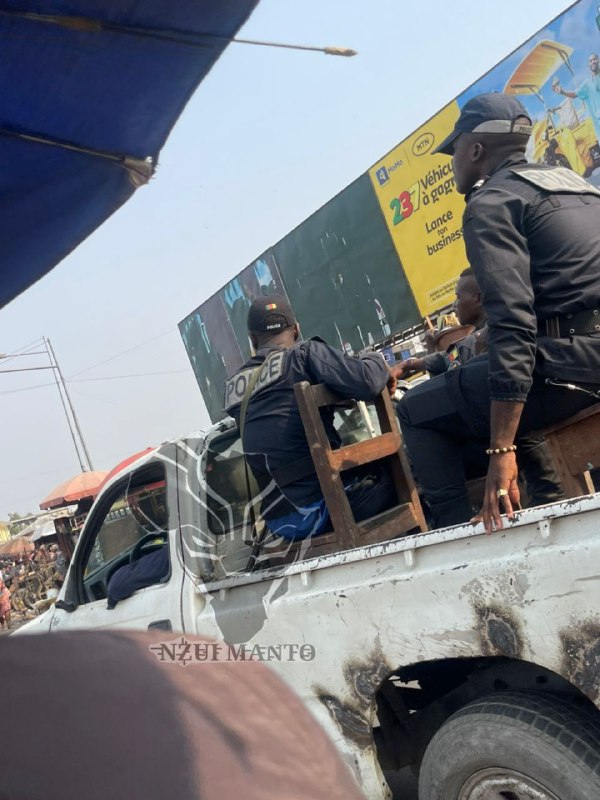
[{"x": 423, "y": 211}]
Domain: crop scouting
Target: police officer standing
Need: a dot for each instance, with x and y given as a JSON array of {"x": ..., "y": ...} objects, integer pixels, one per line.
[
  {"x": 532, "y": 235},
  {"x": 261, "y": 398}
]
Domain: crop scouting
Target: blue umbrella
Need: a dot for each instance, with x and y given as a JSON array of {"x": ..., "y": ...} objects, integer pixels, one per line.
[{"x": 90, "y": 90}]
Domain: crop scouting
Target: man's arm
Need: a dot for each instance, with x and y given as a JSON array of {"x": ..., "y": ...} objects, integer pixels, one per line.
[
  {"x": 565, "y": 92},
  {"x": 434, "y": 363},
  {"x": 498, "y": 252},
  {"x": 362, "y": 378}
]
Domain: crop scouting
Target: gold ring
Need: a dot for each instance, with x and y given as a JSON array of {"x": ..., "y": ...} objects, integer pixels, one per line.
[{"x": 501, "y": 493}]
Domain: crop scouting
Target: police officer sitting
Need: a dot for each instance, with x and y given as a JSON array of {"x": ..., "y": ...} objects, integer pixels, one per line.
[
  {"x": 533, "y": 457},
  {"x": 260, "y": 396},
  {"x": 532, "y": 234}
]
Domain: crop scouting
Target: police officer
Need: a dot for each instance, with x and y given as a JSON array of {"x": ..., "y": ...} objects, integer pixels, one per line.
[
  {"x": 533, "y": 457},
  {"x": 261, "y": 398},
  {"x": 532, "y": 235},
  {"x": 469, "y": 310}
]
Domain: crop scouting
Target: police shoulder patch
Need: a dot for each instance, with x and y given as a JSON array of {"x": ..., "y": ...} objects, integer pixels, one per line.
[
  {"x": 270, "y": 371},
  {"x": 558, "y": 179}
]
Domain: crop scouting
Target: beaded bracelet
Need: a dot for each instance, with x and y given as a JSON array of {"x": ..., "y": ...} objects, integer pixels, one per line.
[{"x": 496, "y": 451}]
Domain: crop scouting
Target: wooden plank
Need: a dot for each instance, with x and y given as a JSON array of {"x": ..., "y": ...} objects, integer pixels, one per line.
[
  {"x": 573, "y": 486},
  {"x": 410, "y": 484},
  {"x": 580, "y": 444},
  {"x": 330, "y": 481},
  {"x": 389, "y": 524},
  {"x": 386, "y": 413},
  {"x": 323, "y": 396},
  {"x": 353, "y": 455},
  {"x": 585, "y": 414},
  {"x": 288, "y": 553}
]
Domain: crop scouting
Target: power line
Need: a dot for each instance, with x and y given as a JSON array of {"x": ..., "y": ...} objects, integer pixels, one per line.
[
  {"x": 22, "y": 351},
  {"x": 122, "y": 353},
  {"x": 27, "y": 388},
  {"x": 105, "y": 378},
  {"x": 95, "y": 397},
  {"x": 133, "y": 375},
  {"x": 25, "y": 369}
]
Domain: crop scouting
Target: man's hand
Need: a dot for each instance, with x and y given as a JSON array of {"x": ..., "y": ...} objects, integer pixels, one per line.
[
  {"x": 501, "y": 478},
  {"x": 408, "y": 367},
  {"x": 399, "y": 371}
]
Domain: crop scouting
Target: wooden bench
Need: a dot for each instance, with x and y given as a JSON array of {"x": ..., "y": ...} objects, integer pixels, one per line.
[
  {"x": 331, "y": 464},
  {"x": 575, "y": 447}
]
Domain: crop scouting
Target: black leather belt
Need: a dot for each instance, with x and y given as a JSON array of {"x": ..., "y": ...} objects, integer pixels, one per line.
[{"x": 578, "y": 324}]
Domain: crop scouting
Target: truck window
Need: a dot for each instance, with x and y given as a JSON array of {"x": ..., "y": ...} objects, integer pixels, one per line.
[
  {"x": 139, "y": 511},
  {"x": 227, "y": 495}
]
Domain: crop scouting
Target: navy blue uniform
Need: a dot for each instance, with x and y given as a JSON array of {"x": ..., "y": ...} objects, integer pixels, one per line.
[
  {"x": 532, "y": 235},
  {"x": 274, "y": 438},
  {"x": 146, "y": 571}
]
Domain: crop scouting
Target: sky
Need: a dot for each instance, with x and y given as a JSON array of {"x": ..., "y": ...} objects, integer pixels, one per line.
[{"x": 269, "y": 137}]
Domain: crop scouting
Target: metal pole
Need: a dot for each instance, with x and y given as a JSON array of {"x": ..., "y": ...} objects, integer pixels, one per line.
[{"x": 54, "y": 362}]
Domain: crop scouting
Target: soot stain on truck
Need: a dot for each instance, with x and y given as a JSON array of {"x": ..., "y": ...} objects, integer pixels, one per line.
[
  {"x": 499, "y": 631},
  {"x": 363, "y": 678},
  {"x": 581, "y": 656},
  {"x": 353, "y": 725}
]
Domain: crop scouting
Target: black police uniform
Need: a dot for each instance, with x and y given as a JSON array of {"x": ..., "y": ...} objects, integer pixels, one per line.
[
  {"x": 457, "y": 354},
  {"x": 532, "y": 235},
  {"x": 274, "y": 440},
  {"x": 534, "y": 457}
]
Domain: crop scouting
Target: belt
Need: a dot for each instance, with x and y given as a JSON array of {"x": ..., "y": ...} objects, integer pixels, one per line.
[{"x": 578, "y": 324}]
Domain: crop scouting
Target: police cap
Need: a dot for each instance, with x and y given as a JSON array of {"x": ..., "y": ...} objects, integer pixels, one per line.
[
  {"x": 270, "y": 314},
  {"x": 488, "y": 113}
]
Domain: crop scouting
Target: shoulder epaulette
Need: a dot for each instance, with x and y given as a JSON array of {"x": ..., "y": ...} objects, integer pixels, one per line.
[{"x": 477, "y": 185}]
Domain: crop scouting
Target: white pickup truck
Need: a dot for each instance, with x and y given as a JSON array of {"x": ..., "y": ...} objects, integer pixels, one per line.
[{"x": 475, "y": 659}]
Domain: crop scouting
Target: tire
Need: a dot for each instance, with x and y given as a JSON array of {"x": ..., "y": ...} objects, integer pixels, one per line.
[{"x": 517, "y": 745}]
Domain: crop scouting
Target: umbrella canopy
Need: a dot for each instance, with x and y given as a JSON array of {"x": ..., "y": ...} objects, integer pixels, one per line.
[
  {"x": 17, "y": 546},
  {"x": 90, "y": 91},
  {"x": 537, "y": 67},
  {"x": 85, "y": 484}
]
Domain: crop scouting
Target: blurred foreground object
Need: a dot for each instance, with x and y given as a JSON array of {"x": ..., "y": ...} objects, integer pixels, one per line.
[{"x": 123, "y": 724}]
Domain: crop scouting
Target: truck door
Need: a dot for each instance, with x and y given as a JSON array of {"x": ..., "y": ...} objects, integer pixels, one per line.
[{"x": 133, "y": 520}]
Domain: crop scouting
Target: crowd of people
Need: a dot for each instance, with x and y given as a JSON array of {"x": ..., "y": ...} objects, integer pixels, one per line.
[{"x": 45, "y": 563}]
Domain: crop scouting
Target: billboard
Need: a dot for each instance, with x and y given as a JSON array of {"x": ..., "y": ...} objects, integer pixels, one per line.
[
  {"x": 215, "y": 334},
  {"x": 556, "y": 75},
  {"x": 387, "y": 250},
  {"x": 423, "y": 211},
  {"x": 342, "y": 274}
]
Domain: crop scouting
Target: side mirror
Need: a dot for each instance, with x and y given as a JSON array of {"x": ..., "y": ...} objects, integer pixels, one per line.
[{"x": 65, "y": 605}]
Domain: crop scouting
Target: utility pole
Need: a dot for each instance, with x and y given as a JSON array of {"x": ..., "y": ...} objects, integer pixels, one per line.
[
  {"x": 66, "y": 401},
  {"x": 65, "y": 398}
]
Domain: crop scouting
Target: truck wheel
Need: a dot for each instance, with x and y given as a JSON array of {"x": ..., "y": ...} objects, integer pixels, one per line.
[{"x": 517, "y": 745}]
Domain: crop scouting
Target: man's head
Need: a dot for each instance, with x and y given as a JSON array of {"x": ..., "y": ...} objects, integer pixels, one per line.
[
  {"x": 271, "y": 321},
  {"x": 490, "y": 128},
  {"x": 594, "y": 63},
  {"x": 469, "y": 300}
]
